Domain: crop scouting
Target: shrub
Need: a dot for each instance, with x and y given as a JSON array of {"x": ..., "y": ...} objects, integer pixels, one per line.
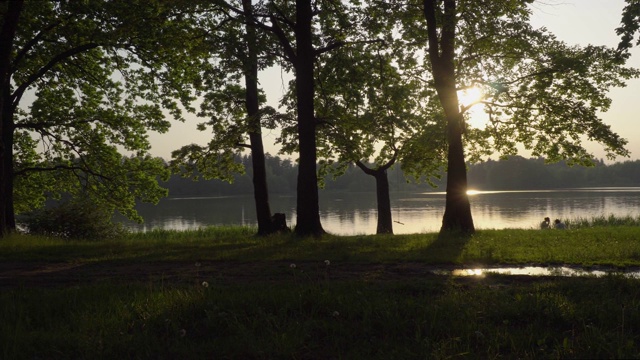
[{"x": 73, "y": 219}]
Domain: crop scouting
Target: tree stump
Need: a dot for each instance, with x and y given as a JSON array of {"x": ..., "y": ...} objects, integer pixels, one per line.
[{"x": 279, "y": 223}]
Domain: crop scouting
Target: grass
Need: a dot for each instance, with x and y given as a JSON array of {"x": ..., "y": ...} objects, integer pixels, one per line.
[
  {"x": 587, "y": 246},
  {"x": 600, "y": 221},
  {"x": 308, "y": 313},
  {"x": 430, "y": 318}
]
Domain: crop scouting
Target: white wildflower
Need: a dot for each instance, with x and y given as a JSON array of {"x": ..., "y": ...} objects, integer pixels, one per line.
[
  {"x": 293, "y": 266},
  {"x": 336, "y": 314},
  {"x": 327, "y": 262},
  {"x": 198, "y": 264},
  {"x": 183, "y": 332},
  {"x": 205, "y": 284}
]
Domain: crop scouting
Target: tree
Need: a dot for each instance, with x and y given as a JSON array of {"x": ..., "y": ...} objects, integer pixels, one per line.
[
  {"x": 11, "y": 15},
  {"x": 306, "y": 32},
  {"x": 630, "y": 25},
  {"x": 100, "y": 81},
  {"x": 457, "y": 213},
  {"x": 261, "y": 193},
  {"x": 374, "y": 110},
  {"x": 538, "y": 91},
  {"x": 233, "y": 112}
]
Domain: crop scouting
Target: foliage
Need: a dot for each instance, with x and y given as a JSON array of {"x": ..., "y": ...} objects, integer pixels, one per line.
[
  {"x": 630, "y": 25},
  {"x": 77, "y": 219},
  {"x": 518, "y": 173},
  {"x": 512, "y": 173},
  {"x": 223, "y": 104},
  {"x": 89, "y": 80},
  {"x": 103, "y": 74},
  {"x": 371, "y": 110},
  {"x": 538, "y": 91}
]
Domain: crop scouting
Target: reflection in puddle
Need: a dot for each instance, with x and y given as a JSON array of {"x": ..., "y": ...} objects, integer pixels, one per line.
[{"x": 538, "y": 271}]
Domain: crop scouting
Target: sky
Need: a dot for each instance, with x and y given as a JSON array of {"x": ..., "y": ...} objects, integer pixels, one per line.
[{"x": 576, "y": 22}]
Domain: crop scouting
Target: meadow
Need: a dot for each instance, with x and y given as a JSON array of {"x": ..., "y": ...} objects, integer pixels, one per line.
[{"x": 224, "y": 293}]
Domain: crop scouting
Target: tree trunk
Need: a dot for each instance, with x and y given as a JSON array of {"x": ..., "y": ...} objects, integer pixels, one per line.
[
  {"x": 260, "y": 188},
  {"x": 7, "y": 35},
  {"x": 385, "y": 224},
  {"x": 308, "y": 208},
  {"x": 385, "y": 220},
  {"x": 457, "y": 215},
  {"x": 7, "y": 170}
]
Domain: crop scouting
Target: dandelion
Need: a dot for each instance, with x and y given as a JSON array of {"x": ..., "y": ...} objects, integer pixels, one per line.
[
  {"x": 183, "y": 332},
  {"x": 205, "y": 284},
  {"x": 198, "y": 264},
  {"x": 293, "y": 266},
  {"x": 335, "y": 314},
  {"x": 327, "y": 262}
]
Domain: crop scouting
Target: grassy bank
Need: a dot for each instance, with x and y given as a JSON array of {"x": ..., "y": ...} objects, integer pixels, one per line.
[
  {"x": 602, "y": 245},
  {"x": 308, "y": 312}
]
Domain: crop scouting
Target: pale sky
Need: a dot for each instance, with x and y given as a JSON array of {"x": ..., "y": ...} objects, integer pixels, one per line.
[{"x": 579, "y": 22}]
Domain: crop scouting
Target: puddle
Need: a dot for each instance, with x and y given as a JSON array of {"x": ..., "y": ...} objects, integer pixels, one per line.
[{"x": 539, "y": 271}]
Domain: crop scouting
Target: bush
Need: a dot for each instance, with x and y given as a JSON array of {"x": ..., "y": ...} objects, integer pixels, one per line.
[{"x": 73, "y": 219}]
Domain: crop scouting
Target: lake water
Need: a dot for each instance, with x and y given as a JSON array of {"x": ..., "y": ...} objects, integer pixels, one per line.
[{"x": 355, "y": 213}]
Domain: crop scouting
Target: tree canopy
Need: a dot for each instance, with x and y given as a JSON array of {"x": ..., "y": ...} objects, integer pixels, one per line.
[
  {"x": 629, "y": 25},
  {"x": 87, "y": 81},
  {"x": 538, "y": 91},
  {"x": 84, "y": 82}
]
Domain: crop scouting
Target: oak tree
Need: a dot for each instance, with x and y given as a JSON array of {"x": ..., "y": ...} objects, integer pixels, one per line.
[
  {"x": 306, "y": 30},
  {"x": 236, "y": 115},
  {"x": 373, "y": 110},
  {"x": 85, "y": 82},
  {"x": 538, "y": 91}
]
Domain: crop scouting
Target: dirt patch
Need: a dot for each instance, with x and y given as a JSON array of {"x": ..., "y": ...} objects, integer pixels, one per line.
[{"x": 45, "y": 274}]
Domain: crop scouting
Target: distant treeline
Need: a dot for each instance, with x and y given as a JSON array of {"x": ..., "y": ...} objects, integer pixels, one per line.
[{"x": 516, "y": 173}]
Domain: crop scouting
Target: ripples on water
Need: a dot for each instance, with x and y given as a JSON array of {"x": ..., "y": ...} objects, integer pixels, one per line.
[{"x": 355, "y": 213}]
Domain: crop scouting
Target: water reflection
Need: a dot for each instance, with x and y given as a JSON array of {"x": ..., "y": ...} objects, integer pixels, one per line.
[
  {"x": 355, "y": 213},
  {"x": 538, "y": 271}
]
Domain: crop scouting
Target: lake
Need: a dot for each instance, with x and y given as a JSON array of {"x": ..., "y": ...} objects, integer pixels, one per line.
[{"x": 355, "y": 213}]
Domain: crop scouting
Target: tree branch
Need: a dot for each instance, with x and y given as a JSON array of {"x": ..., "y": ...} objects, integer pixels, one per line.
[
  {"x": 17, "y": 95},
  {"x": 364, "y": 168},
  {"x": 432, "y": 31},
  {"x": 31, "y": 43},
  {"x": 329, "y": 47},
  {"x": 282, "y": 17},
  {"x": 289, "y": 52},
  {"x": 60, "y": 167}
]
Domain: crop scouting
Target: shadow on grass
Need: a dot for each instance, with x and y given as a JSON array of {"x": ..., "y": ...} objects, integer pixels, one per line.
[
  {"x": 433, "y": 248},
  {"x": 56, "y": 262},
  {"x": 447, "y": 247}
]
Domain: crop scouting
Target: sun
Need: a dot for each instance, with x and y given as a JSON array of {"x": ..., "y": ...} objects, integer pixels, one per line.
[{"x": 470, "y": 98}]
